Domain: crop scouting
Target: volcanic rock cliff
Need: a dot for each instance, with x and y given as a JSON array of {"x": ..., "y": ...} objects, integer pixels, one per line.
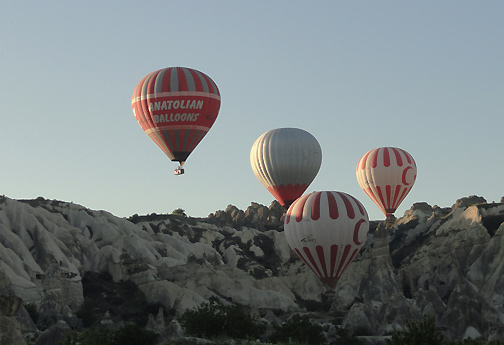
[{"x": 445, "y": 262}]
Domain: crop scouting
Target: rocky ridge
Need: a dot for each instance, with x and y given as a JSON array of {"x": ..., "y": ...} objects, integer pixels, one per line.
[{"x": 445, "y": 262}]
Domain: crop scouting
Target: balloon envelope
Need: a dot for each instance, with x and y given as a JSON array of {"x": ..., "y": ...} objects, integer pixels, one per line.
[
  {"x": 286, "y": 160},
  {"x": 176, "y": 107},
  {"x": 326, "y": 230},
  {"x": 386, "y": 175}
]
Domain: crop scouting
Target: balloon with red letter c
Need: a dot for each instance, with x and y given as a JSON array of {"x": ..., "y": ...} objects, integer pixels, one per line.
[
  {"x": 386, "y": 175},
  {"x": 176, "y": 107},
  {"x": 326, "y": 230}
]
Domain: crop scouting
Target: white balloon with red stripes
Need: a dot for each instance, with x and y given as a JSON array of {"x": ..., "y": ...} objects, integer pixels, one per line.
[
  {"x": 326, "y": 230},
  {"x": 386, "y": 175}
]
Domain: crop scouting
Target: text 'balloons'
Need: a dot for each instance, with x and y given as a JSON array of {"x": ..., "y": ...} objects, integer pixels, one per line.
[{"x": 176, "y": 107}]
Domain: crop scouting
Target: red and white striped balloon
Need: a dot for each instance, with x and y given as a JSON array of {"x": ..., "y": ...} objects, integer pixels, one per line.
[
  {"x": 326, "y": 230},
  {"x": 386, "y": 175},
  {"x": 176, "y": 107}
]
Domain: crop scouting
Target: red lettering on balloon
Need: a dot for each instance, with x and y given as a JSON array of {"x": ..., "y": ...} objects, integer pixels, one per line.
[
  {"x": 356, "y": 232},
  {"x": 404, "y": 174}
]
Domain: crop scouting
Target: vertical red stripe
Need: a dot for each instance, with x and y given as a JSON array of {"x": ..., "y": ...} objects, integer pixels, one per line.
[
  {"x": 348, "y": 205},
  {"x": 321, "y": 257},
  {"x": 315, "y": 206},
  {"x": 401, "y": 198},
  {"x": 388, "y": 191},
  {"x": 349, "y": 260},
  {"x": 182, "y": 81},
  {"x": 334, "y": 256},
  {"x": 363, "y": 161},
  {"x": 357, "y": 202},
  {"x": 380, "y": 195},
  {"x": 165, "y": 82},
  {"x": 152, "y": 83},
  {"x": 172, "y": 138},
  {"x": 304, "y": 259},
  {"x": 197, "y": 81},
  {"x": 396, "y": 194},
  {"x": 408, "y": 157},
  {"x": 212, "y": 88},
  {"x": 398, "y": 157},
  {"x": 312, "y": 260},
  {"x": 300, "y": 208},
  {"x": 386, "y": 157},
  {"x": 371, "y": 195},
  {"x": 333, "y": 206},
  {"x": 343, "y": 259},
  {"x": 374, "y": 158}
]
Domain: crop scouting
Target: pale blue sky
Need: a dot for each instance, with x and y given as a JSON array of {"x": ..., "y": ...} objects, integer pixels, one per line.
[{"x": 425, "y": 76}]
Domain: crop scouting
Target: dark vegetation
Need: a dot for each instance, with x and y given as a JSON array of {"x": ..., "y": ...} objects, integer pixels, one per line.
[
  {"x": 120, "y": 301},
  {"x": 301, "y": 329},
  {"x": 216, "y": 321},
  {"x": 128, "y": 334},
  {"x": 425, "y": 333},
  {"x": 213, "y": 319}
]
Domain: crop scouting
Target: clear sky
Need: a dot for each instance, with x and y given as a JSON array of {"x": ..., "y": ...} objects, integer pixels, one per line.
[{"x": 425, "y": 76}]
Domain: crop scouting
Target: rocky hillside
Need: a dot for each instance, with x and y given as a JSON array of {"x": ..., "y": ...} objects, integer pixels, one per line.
[{"x": 445, "y": 262}]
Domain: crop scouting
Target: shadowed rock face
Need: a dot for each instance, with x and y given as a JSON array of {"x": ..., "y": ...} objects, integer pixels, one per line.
[
  {"x": 9, "y": 305},
  {"x": 10, "y": 332},
  {"x": 446, "y": 262}
]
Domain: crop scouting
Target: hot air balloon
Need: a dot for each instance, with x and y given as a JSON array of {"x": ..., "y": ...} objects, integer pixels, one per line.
[
  {"x": 286, "y": 160},
  {"x": 386, "y": 175},
  {"x": 326, "y": 230},
  {"x": 176, "y": 107}
]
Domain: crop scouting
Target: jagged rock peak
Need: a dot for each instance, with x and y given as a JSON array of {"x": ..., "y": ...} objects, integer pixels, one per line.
[
  {"x": 469, "y": 201},
  {"x": 433, "y": 260},
  {"x": 256, "y": 215}
]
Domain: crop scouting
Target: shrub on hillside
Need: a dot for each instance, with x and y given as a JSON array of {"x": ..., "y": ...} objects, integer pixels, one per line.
[
  {"x": 213, "y": 319},
  {"x": 300, "y": 330},
  {"x": 129, "y": 334},
  {"x": 122, "y": 300},
  {"x": 417, "y": 333}
]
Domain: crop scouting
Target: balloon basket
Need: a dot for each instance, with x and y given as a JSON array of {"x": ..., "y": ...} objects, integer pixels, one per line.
[{"x": 179, "y": 171}]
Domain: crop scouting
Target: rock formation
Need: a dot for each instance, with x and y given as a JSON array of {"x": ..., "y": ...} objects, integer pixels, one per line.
[
  {"x": 10, "y": 330},
  {"x": 445, "y": 262}
]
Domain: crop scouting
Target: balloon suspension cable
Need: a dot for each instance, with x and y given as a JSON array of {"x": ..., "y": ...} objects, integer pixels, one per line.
[{"x": 390, "y": 220}]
